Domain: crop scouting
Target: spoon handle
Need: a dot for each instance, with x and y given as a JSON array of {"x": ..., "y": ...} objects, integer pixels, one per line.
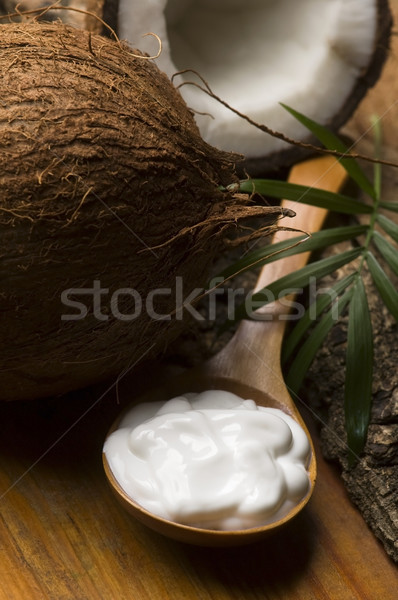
[{"x": 253, "y": 355}]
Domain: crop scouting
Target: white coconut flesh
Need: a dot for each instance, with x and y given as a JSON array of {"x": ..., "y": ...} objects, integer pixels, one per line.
[{"x": 255, "y": 55}]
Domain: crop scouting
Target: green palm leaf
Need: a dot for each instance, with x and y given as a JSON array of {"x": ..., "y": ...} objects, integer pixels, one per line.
[
  {"x": 301, "y": 193},
  {"x": 315, "y": 309},
  {"x": 332, "y": 142},
  {"x": 294, "y": 282},
  {"x": 389, "y": 226},
  {"x": 393, "y": 206},
  {"x": 387, "y": 250},
  {"x": 359, "y": 372},
  {"x": 308, "y": 350},
  {"x": 384, "y": 286},
  {"x": 296, "y": 245},
  {"x": 321, "y": 315}
]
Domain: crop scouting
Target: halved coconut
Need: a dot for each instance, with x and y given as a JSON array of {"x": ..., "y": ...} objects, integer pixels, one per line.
[{"x": 317, "y": 56}]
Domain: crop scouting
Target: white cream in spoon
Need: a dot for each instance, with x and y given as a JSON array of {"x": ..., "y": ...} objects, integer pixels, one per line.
[{"x": 211, "y": 460}]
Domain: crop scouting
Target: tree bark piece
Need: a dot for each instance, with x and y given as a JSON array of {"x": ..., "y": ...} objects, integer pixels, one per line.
[{"x": 373, "y": 483}]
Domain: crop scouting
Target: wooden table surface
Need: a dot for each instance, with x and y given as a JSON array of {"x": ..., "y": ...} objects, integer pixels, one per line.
[{"x": 64, "y": 536}]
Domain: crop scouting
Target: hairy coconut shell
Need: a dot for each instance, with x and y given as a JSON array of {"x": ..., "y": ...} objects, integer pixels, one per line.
[{"x": 106, "y": 185}]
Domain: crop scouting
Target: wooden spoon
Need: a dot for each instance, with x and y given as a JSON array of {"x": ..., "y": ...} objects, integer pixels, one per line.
[{"x": 249, "y": 365}]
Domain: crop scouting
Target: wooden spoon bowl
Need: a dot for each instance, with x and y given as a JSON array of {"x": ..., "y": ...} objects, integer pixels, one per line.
[{"x": 248, "y": 366}]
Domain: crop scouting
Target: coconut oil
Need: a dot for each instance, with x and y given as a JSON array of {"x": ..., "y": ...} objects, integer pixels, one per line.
[{"x": 211, "y": 460}]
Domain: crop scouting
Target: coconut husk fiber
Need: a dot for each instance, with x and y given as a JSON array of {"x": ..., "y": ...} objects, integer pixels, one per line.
[{"x": 107, "y": 187}]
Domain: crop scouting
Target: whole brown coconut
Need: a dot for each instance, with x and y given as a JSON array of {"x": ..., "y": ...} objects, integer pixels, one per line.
[{"x": 110, "y": 200}]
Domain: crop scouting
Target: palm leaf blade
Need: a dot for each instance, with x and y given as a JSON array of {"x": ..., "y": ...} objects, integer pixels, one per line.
[
  {"x": 332, "y": 142},
  {"x": 296, "y": 245},
  {"x": 389, "y": 226},
  {"x": 393, "y": 206},
  {"x": 384, "y": 285},
  {"x": 294, "y": 282},
  {"x": 387, "y": 250},
  {"x": 301, "y": 193},
  {"x": 314, "y": 310},
  {"x": 307, "y": 352},
  {"x": 359, "y": 372}
]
